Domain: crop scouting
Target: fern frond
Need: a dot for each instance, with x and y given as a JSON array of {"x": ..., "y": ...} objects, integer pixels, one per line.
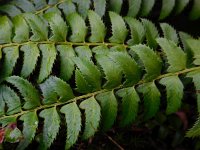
[
  {"x": 175, "y": 55},
  {"x": 30, "y": 125},
  {"x": 29, "y": 93},
  {"x": 152, "y": 63},
  {"x": 140, "y": 8},
  {"x": 66, "y": 54},
  {"x": 5, "y": 29},
  {"x": 92, "y": 116},
  {"x": 151, "y": 98},
  {"x": 113, "y": 74},
  {"x": 57, "y": 25},
  {"x": 73, "y": 120},
  {"x": 98, "y": 30},
  {"x": 89, "y": 78},
  {"x": 12, "y": 100},
  {"x": 21, "y": 29},
  {"x": 130, "y": 104},
  {"x": 10, "y": 60},
  {"x": 48, "y": 58},
  {"x": 31, "y": 54},
  {"x": 169, "y": 32},
  {"x": 119, "y": 31},
  {"x": 51, "y": 126},
  {"x": 78, "y": 27},
  {"x": 174, "y": 89},
  {"x": 167, "y": 7},
  {"x": 109, "y": 105}
]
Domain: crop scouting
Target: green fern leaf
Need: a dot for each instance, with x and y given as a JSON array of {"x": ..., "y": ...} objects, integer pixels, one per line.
[
  {"x": 151, "y": 98},
  {"x": 11, "y": 10},
  {"x": 137, "y": 31},
  {"x": 66, "y": 54},
  {"x": 21, "y": 29},
  {"x": 129, "y": 67},
  {"x": 100, "y": 7},
  {"x": 115, "y": 5},
  {"x": 29, "y": 93},
  {"x": 134, "y": 7},
  {"x": 113, "y": 74},
  {"x": 24, "y": 5},
  {"x": 48, "y": 58},
  {"x": 180, "y": 6},
  {"x": 151, "y": 33},
  {"x": 10, "y": 59},
  {"x": 50, "y": 128},
  {"x": 167, "y": 7},
  {"x": 82, "y": 85},
  {"x": 195, "y": 12},
  {"x": 108, "y": 105},
  {"x": 62, "y": 89},
  {"x": 78, "y": 27},
  {"x": 194, "y": 47},
  {"x": 146, "y": 7},
  {"x": 196, "y": 80},
  {"x": 84, "y": 52},
  {"x": 67, "y": 7},
  {"x": 195, "y": 130},
  {"x": 58, "y": 27},
  {"x": 90, "y": 72},
  {"x": 98, "y": 30},
  {"x": 184, "y": 37},
  {"x": 175, "y": 55},
  {"x": 49, "y": 95},
  {"x": 174, "y": 89},
  {"x": 8, "y": 96},
  {"x": 152, "y": 62},
  {"x": 31, "y": 54},
  {"x": 119, "y": 31},
  {"x": 130, "y": 100},
  {"x": 38, "y": 26},
  {"x": 73, "y": 120},
  {"x": 5, "y": 30},
  {"x": 92, "y": 116},
  {"x": 55, "y": 89},
  {"x": 169, "y": 32},
  {"x": 83, "y": 7},
  {"x": 30, "y": 125}
]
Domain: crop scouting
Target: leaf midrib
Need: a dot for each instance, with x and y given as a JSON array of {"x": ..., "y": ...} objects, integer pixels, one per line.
[{"x": 63, "y": 43}]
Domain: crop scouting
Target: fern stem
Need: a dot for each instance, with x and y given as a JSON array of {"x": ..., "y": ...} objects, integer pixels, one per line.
[
  {"x": 98, "y": 92},
  {"x": 63, "y": 43},
  {"x": 49, "y": 6}
]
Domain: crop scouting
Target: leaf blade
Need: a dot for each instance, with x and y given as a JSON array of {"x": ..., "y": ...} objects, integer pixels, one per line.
[
  {"x": 29, "y": 93},
  {"x": 51, "y": 126},
  {"x": 73, "y": 123},
  {"x": 108, "y": 105},
  {"x": 174, "y": 89},
  {"x": 92, "y": 114}
]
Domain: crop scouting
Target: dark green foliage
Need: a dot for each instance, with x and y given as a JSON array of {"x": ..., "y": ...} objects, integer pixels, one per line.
[{"x": 67, "y": 63}]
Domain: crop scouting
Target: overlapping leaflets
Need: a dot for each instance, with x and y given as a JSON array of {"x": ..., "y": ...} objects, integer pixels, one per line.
[
  {"x": 141, "y": 8},
  {"x": 71, "y": 67}
]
